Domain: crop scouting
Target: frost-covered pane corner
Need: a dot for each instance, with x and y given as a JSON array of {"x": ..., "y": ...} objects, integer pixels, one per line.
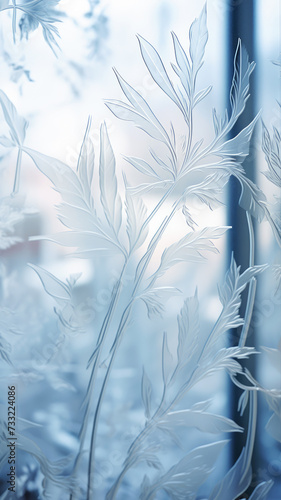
[{"x": 122, "y": 334}]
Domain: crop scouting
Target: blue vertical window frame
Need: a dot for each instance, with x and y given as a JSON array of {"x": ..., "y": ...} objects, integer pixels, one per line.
[{"x": 241, "y": 25}]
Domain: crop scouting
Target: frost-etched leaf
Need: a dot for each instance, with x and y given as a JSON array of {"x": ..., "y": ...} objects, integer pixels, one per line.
[
  {"x": 252, "y": 199},
  {"x": 185, "y": 478},
  {"x": 85, "y": 164},
  {"x": 221, "y": 124},
  {"x": 188, "y": 332},
  {"x": 44, "y": 13},
  {"x": 235, "y": 482},
  {"x": 68, "y": 184},
  {"x": 210, "y": 189},
  {"x": 144, "y": 488},
  {"x": 239, "y": 93},
  {"x": 190, "y": 248},
  {"x": 260, "y": 492},
  {"x": 183, "y": 69},
  {"x": 167, "y": 361},
  {"x": 164, "y": 162},
  {"x": 239, "y": 146},
  {"x": 188, "y": 219},
  {"x": 196, "y": 148},
  {"x": 201, "y": 95},
  {"x": 110, "y": 198},
  {"x": 272, "y": 151},
  {"x": 77, "y": 211},
  {"x": 146, "y": 391},
  {"x": 198, "y": 37},
  {"x": 52, "y": 285},
  {"x": 239, "y": 477},
  {"x": 143, "y": 167},
  {"x": 155, "y": 297},
  {"x": 147, "y": 187},
  {"x": 250, "y": 273},
  {"x": 140, "y": 454},
  {"x": 225, "y": 359},
  {"x": 205, "y": 422},
  {"x": 17, "y": 124},
  {"x": 157, "y": 70},
  {"x": 202, "y": 405},
  {"x": 60, "y": 174},
  {"x": 143, "y": 115},
  {"x": 125, "y": 112},
  {"x": 243, "y": 401},
  {"x": 230, "y": 297},
  {"x": 210, "y": 361},
  {"x": 136, "y": 216}
]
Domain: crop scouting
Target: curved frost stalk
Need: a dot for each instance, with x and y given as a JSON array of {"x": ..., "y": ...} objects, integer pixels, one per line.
[
  {"x": 239, "y": 477},
  {"x": 137, "y": 232},
  {"x": 87, "y": 231},
  {"x": 139, "y": 112},
  {"x": 196, "y": 360},
  {"x": 78, "y": 213},
  {"x": 271, "y": 146},
  {"x": 121, "y": 329},
  {"x": 35, "y": 13},
  {"x": 271, "y": 149},
  {"x": 168, "y": 173},
  {"x": 156, "y": 131}
]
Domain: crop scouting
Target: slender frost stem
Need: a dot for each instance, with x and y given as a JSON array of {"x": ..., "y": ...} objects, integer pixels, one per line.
[
  {"x": 121, "y": 328},
  {"x": 17, "y": 174}
]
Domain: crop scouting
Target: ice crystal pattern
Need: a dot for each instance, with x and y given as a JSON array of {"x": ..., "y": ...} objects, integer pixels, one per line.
[{"x": 119, "y": 226}]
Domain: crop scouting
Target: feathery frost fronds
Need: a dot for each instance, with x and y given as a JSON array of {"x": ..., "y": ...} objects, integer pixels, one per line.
[
  {"x": 170, "y": 171},
  {"x": 88, "y": 232},
  {"x": 31, "y": 14},
  {"x": 272, "y": 150},
  {"x": 189, "y": 248},
  {"x": 196, "y": 360},
  {"x": 186, "y": 477},
  {"x": 62, "y": 293}
]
